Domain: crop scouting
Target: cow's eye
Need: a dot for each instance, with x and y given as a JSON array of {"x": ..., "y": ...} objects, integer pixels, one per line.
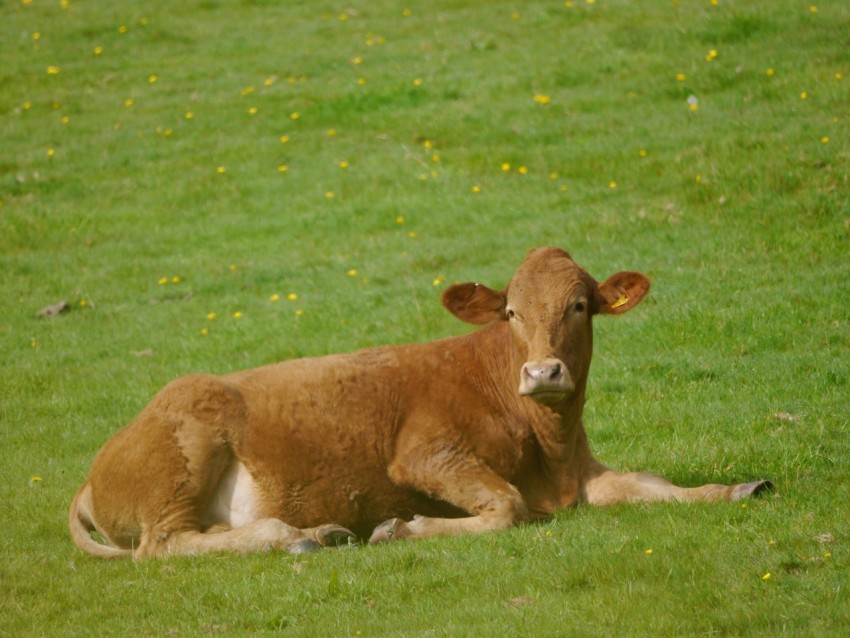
[{"x": 580, "y": 306}]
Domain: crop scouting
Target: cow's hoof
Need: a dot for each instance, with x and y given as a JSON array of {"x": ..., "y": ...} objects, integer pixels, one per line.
[
  {"x": 756, "y": 488},
  {"x": 305, "y": 546},
  {"x": 391, "y": 530},
  {"x": 333, "y": 535}
]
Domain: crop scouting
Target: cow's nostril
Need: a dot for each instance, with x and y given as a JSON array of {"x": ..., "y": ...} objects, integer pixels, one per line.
[{"x": 555, "y": 372}]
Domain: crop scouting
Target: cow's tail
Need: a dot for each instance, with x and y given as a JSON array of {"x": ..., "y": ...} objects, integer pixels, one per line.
[{"x": 81, "y": 525}]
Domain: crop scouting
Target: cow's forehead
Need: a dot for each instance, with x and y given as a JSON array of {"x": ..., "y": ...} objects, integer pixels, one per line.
[{"x": 552, "y": 272}]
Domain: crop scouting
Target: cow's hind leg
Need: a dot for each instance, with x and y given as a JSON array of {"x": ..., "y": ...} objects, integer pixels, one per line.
[
  {"x": 263, "y": 535},
  {"x": 603, "y": 486}
]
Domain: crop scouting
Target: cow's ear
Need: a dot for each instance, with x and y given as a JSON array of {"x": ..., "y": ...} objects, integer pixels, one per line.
[
  {"x": 622, "y": 292},
  {"x": 474, "y": 303}
]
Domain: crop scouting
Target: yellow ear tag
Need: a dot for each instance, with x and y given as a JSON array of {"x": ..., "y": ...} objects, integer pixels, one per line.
[{"x": 622, "y": 301}]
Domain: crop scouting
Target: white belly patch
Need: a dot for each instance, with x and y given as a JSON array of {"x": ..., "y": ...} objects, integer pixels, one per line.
[{"x": 234, "y": 502}]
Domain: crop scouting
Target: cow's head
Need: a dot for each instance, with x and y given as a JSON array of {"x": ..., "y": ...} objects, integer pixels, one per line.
[{"x": 549, "y": 305}]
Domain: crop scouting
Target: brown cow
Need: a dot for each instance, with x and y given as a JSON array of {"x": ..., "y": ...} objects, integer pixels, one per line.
[{"x": 472, "y": 433}]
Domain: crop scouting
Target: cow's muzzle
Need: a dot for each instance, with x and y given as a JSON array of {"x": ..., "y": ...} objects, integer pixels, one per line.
[{"x": 546, "y": 381}]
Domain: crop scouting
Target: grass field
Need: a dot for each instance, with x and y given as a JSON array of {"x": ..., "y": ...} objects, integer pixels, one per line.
[{"x": 219, "y": 184}]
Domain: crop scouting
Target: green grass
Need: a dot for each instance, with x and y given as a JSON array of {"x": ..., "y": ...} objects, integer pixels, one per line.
[{"x": 735, "y": 368}]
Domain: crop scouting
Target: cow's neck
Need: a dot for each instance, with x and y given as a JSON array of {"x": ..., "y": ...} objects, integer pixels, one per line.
[{"x": 558, "y": 430}]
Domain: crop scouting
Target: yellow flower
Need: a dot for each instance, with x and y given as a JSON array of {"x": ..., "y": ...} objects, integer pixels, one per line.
[
  {"x": 274, "y": 297},
  {"x": 329, "y": 195},
  {"x": 282, "y": 168},
  {"x": 542, "y": 99},
  {"x": 438, "y": 280},
  {"x": 417, "y": 82},
  {"x": 98, "y": 50},
  {"x": 612, "y": 184},
  {"x": 292, "y": 296},
  {"x": 343, "y": 164},
  {"x": 804, "y": 95},
  {"x": 828, "y": 555},
  {"x": 33, "y": 342},
  {"x": 237, "y": 314},
  {"x": 253, "y": 110},
  {"x": 51, "y": 152},
  {"x": 412, "y": 234},
  {"x": 205, "y": 331},
  {"x": 770, "y": 72},
  {"x": 175, "y": 280},
  {"x": 189, "y": 115},
  {"x": 839, "y": 76},
  {"x": 766, "y": 576},
  {"x": 247, "y": 90},
  {"x": 399, "y": 219},
  {"x": 122, "y": 29},
  {"x": 284, "y": 139},
  {"x": 357, "y": 60},
  {"x": 211, "y": 316},
  {"x": 743, "y": 506},
  {"x": 813, "y": 9},
  {"x": 221, "y": 170},
  {"x": 299, "y": 312},
  {"x": 162, "y": 281},
  {"x": 361, "y": 81},
  {"x": 53, "y": 70},
  {"x": 476, "y": 188},
  {"x": 648, "y": 552},
  {"x": 331, "y": 132},
  {"x": 295, "y": 116},
  {"x": 152, "y": 79},
  {"x": 84, "y": 303},
  {"x": 352, "y": 272},
  {"x": 522, "y": 170},
  {"x": 65, "y": 119},
  {"x": 824, "y": 140},
  {"x": 27, "y": 106},
  {"x": 269, "y": 81},
  {"x": 506, "y": 166},
  {"x": 35, "y": 479},
  {"x": 233, "y": 267},
  {"x": 407, "y": 13},
  {"x": 711, "y": 55},
  {"x": 681, "y": 77},
  {"x": 643, "y": 152},
  {"x": 129, "y": 102}
]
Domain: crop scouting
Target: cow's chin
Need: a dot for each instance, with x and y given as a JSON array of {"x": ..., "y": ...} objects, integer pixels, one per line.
[{"x": 547, "y": 397}]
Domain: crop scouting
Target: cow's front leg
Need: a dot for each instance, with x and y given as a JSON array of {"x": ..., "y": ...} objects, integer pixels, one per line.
[
  {"x": 462, "y": 480},
  {"x": 603, "y": 486}
]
